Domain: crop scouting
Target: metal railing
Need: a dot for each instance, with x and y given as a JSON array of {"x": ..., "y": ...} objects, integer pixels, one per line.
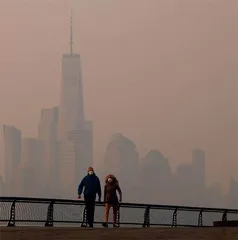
[{"x": 19, "y": 211}]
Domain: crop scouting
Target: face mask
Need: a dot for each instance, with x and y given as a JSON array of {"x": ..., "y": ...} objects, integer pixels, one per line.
[
  {"x": 109, "y": 180},
  {"x": 90, "y": 172}
]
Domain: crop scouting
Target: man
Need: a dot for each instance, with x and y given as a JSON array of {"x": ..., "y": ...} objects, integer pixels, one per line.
[{"x": 91, "y": 186}]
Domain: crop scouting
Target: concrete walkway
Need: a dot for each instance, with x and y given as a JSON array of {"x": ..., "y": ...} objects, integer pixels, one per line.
[{"x": 36, "y": 233}]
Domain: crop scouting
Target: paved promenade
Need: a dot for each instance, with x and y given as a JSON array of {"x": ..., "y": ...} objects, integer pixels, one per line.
[{"x": 31, "y": 233}]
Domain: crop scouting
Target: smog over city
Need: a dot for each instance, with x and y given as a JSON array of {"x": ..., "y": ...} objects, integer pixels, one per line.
[{"x": 145, "y": 90}]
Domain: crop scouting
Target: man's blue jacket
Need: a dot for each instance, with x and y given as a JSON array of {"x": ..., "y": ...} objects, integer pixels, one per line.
[{"x": 91, "y": 186}]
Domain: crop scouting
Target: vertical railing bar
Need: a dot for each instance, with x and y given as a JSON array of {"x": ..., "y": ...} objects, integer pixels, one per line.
[
  {"x": 200, "y": 218},
  {"x": 146, "y": 217},
  {"x": 224, "y": 217},
  {"x": 118, "y": 216},
  {"x": 84, "y": 222},
  {"x": 174, "y": 222},
  {"x": 50, "y": 215},
  {"x": 12, "y": 220}
]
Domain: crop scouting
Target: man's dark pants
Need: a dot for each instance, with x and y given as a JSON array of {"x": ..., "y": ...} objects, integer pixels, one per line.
[{"x": 90, "y": 208}]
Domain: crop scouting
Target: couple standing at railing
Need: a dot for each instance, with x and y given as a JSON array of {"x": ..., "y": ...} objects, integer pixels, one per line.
[{"x": 90, "y": 186}]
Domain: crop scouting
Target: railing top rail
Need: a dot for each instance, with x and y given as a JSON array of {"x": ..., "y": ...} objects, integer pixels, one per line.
[{"x": 126, "y": 205}]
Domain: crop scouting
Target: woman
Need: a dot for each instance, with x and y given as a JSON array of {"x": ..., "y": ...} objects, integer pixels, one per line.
[{"x": 111, "y": 199}]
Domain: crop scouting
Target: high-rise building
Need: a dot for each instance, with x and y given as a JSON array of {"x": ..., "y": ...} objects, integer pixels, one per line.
[
  {"x": 71, "y": 114},
  {"x": 189, "y": 180},
  {"x": 2, "y": 187},
  {"x": 184, "y": 190},
  {"x": 155, "y": 168},
  {"x": 122, "y": 159},
  {"x": 48, "y": 123},
  {"x": 32, "y": 176},
  {"x": 10, "y": 156},
  {"x": 83, "y": 141},
  {"x": 2, "y": 151},
  {"x": 76, "y": 155},
  {"x": 233, "y": 194},
  {"x": 74, "y": 133},
  {"x": 47, "y": 134},
  {"x": 199, "y": 165}
]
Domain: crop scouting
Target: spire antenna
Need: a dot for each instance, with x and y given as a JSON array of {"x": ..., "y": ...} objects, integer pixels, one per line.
[{"x": 71, "y": 33}]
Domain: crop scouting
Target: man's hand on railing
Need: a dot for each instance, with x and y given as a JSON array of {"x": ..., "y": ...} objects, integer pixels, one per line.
[{"x": 79, "y": 196}]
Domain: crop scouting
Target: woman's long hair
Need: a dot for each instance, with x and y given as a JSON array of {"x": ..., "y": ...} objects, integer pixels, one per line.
[{"x": 114, "y": 179}]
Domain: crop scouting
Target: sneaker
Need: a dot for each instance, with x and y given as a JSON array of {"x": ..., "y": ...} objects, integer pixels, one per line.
[
  {"x": 105, "y": 225},
  {"x": 115, "y": 226},
  {"x": 90, "y": 226}
]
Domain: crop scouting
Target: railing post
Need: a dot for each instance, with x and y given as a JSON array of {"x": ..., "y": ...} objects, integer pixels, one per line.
[
  {"x": 84, "y": 222},
  {"x": 224, "y": 217},
  {"x": 200, "y": 218},
  {"x": 147, "y": 217},
  {"x": 174, "y": 222},
  {"x": 118, "y": 216},
  {"x": 12, "y": 219},
  {"x": 50, "y": 215}
]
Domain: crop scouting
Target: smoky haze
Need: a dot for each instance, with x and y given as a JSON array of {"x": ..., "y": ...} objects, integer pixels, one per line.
[{"x": 161, "y": 73}]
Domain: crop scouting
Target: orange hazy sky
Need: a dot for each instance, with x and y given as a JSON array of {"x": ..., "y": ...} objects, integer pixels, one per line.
[{"x": 162, "y": 72}]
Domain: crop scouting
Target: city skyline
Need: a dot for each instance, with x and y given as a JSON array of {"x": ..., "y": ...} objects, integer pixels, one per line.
[{"x": 169, "y": 130}]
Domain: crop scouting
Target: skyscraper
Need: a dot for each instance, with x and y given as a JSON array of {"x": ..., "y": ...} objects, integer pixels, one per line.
[
  {"x": 33, "y": 176},
  {"x": 48, "y": 123},
  {"x": 199, "y": 164},
  {"x": 155, "y": 168},
  {"x": 71, "y": 114},
  {"x": 122, "y": 159},
  {"x": 10, "y": 156},
  {"x": 47, "y": 134},
  {"x": 74, "y": 133}
]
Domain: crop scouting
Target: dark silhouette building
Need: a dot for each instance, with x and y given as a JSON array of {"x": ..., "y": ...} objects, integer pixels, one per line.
[
  {"x": 156, "y": 178},
  {"x": 189, "y": 180},
  {"x": 199, "y": 165},
  {"x": 232, "y": 198},
  {"x": 122, "y": 159}
]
